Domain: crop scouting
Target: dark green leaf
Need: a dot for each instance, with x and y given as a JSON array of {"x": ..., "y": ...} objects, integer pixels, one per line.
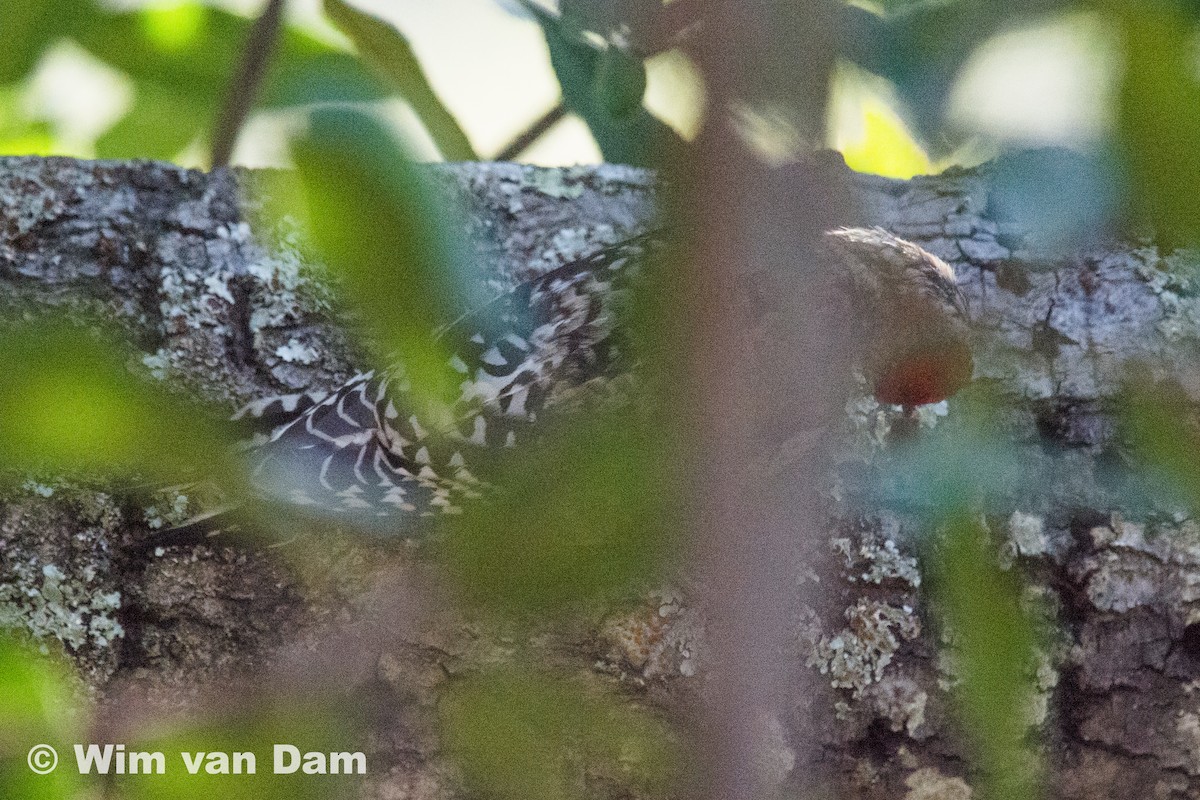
[
  {"x": 620, "y": 83},
  {"x": 388, "y": 52},
  {"x": 574, "y": 60},
  {"x": 378, "y": 223},
  {"x": 636, "y": 137},
  {"x": 605, "y": 17}
]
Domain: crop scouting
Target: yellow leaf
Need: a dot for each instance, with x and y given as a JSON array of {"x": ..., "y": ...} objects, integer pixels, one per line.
[{"x": 869, "y": 131}]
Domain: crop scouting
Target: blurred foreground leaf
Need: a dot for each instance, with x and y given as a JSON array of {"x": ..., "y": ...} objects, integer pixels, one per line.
[
  {"x": 160, "y": 124},
  {"x": 587, "y": 515},
  {"x": 1057, "y": 197},
  {"x": 994, "y": 645},
  {"x": 968, "y": 458},
  {"x": 20, "y": 135},
  {"x": 529, "y": 737},
  {"x": 380, "y": 225},
  {"x": 594, "y": 507},
  {"x": 388, "y": 52},
  {"x": 29, "y": 27},
  {"x": 316, "y": 723},
  {"x": 40, "y": 705},
  {"x": 870, "y": 134},
  {"x": 68, "y": 403},
  {"x": 1158, "y": 117},
  {"x": 180, "y": 60},
  {"x": 1160, "y": 423}
]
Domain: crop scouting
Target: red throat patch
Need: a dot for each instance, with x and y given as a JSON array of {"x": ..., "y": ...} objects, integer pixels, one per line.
[{"x": 924, "y": 378}]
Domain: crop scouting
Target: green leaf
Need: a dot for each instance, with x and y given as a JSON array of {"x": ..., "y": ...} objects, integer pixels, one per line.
[
  {"x": 517, "y": 736},
  {"x": 388, "y": 52},
  {"x": 199, "y": 57},
  {"x": 619, "y": 83},
  {"x": 319, "y": 78},
  {"x": 174, "y": 27},
  {"x": 994, "y": 644},
  {"x": 69, "y": 404},
  {"x": 320, "y": 720},
  {"x": 161, "y": 123},
  {"x": 195, "y": 63},
  {"x": 41, "y": 702},
  {"x": 29, "y": 27},
  {"x": 634, "y": 137},
  {"x": 36, "y": 140},
  {"x": 616, "y": 513},
  {"x": 181, "y": 71},
  {"x": 1158, "y": 117},
  {"x": 377, "y": 222},
  {"x": 633, "y": 18},
  {"x": 574, "y": 60},
  {"x": 1160, "y": 426},
  {"x": 20, "y": 135},
  {"x": 607, "y": 527}
]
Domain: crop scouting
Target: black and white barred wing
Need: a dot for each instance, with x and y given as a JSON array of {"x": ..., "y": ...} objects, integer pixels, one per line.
[
  {"x": 362, "y": 451},
  {"x": 353, "y": 452},
  {"x": 550, "y": 333}
]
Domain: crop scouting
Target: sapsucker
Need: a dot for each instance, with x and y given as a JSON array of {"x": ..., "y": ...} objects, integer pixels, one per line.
[{"x": 361, "y": 451}]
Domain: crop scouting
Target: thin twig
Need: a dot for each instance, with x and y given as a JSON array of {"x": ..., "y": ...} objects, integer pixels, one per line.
[
  {"x": 531, "y": 134},
  {"x": 243, "y": 89}
]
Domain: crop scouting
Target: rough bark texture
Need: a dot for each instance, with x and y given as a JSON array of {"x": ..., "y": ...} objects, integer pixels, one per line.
[{"x": 229, "y": 316}]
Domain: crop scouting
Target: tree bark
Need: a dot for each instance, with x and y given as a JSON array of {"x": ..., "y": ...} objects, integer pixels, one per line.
[{"x": 230, "y": 313}]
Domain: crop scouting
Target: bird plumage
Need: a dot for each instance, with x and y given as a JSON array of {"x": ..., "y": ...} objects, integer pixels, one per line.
[
  {"x": 913, "y": 317},
  {"x": 363, "y": 451}
]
